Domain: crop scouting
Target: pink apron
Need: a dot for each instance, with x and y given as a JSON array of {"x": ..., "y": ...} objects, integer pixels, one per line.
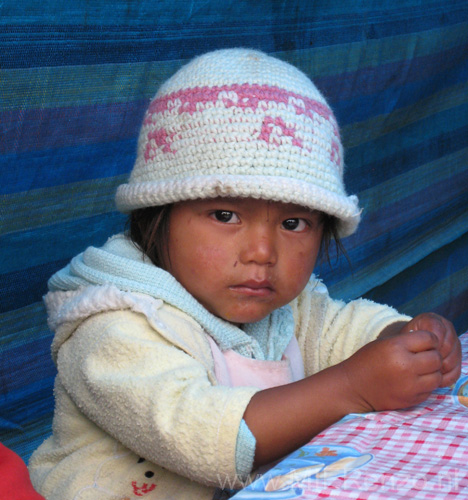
[{"x": 234, "y": 370}]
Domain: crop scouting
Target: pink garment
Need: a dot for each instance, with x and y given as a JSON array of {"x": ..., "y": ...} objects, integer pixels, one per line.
[{"x": 234, "y": 370}]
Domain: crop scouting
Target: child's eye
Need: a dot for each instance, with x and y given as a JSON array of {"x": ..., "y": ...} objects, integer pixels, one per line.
[
  {"x": 226, "y": 216},
  {"x": 295, "y": 224}
]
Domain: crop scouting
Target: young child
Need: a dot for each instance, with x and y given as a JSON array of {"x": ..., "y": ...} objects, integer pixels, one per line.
[{"x": 199, "y": 346}]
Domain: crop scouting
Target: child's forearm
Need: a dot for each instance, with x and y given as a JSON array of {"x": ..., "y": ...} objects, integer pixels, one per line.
[
  {"x": 286, "y": 417},
  {"x": 398, "y": 370}
]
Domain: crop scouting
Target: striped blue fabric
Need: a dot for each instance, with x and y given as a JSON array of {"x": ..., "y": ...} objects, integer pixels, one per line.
[{"x": 76, "y": 78}]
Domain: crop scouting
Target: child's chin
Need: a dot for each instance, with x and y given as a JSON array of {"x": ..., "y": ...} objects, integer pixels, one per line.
[{"x": 239, "y": 319}]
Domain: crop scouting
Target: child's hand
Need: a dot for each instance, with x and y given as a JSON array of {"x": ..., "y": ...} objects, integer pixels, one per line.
[
  {"x": 449, "y": 345},
  {"x": 403, "y": 368},
  {"x": 395, "y": 372}
]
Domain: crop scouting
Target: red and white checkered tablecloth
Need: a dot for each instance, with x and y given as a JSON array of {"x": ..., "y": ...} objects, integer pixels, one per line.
[{"x": 419, "y": 453}]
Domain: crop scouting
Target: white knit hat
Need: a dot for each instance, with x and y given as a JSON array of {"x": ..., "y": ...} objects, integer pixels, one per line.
[{"x": 239, "y": 123}]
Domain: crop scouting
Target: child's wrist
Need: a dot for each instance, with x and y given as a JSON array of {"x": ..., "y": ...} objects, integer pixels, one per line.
[
  {"x": 352, "y": 397},
  {"x": 392, "y": 330}
]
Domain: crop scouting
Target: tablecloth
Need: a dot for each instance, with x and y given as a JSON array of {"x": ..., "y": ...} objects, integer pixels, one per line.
[{"x": 417, "y": 453}]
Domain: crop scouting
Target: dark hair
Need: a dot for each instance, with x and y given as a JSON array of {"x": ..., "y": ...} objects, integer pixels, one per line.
[
  {"x": 330, "y": 233},
  {"x": 148, "y": 228}
]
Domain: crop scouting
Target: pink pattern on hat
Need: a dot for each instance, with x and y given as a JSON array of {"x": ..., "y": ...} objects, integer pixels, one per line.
[
  {"x": 335, "y": 156},
  {"x": 253, "y": 97},
  {"x": 163, "y": 141},
  {"x": 270, "y": 123},
  {"x": 241, "y": 96}
]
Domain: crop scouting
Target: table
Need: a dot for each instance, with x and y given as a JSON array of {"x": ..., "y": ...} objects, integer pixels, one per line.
[{"x": 418, "y": 453}]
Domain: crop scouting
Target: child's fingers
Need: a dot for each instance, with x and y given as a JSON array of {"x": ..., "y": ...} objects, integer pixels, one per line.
[
  {"x": 429, "y": 382},
  {"x": 422, "y": 388},
  {"x": 442, "y": 355},
  {"x": 428, "y": 362},
  {"x": 453, "y": 358},
  {"x": 450, "y": 377},
  {"x": 451, "y": 367},
  {"x": 451, "y": 342},
  {"x": 421, "y": 340},
  {"x": 439, "y": 326},
  {"x": 428, "y": 322}
]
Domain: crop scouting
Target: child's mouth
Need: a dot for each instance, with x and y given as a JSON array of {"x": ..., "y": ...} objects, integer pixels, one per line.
[{"x": 254, "y": 288}]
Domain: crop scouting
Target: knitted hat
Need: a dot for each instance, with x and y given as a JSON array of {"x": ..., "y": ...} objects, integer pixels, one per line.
[{"x": 239, "y": 123}]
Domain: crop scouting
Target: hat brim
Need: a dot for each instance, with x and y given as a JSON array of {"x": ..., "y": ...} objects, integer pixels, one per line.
[{"x": 282, "y": 189}]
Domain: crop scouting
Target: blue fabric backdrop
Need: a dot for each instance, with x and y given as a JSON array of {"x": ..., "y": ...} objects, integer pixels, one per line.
[{"x": 76, "y": 78}]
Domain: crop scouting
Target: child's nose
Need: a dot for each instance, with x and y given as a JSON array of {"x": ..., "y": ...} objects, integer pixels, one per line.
[{"x": 259, "y": 247}]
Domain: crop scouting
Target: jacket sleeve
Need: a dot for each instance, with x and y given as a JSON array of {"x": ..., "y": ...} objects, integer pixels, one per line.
[
  {"x": 153, "y": 397},
  {"x": 330, "y": 331}
]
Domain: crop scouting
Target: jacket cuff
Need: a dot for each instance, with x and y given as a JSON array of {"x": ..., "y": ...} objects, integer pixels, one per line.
[{"x": 245, "y": 451}]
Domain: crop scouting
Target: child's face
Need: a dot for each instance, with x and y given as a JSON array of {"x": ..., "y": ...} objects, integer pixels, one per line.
[{"x": 243, "y": 258}]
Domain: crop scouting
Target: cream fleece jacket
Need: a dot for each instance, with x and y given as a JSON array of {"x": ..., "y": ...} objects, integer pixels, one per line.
[{"x": 139, "y": 412}]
